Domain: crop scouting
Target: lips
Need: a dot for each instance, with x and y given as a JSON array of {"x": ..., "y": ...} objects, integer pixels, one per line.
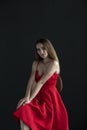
[{"x": 42, "y": 55}]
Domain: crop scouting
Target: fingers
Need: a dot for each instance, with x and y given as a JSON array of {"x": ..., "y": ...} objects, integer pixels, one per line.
[
  {"x": 22, "y": 102},
  {"x": 19, "y": 104},
  {"x": 25, "y": 102}
]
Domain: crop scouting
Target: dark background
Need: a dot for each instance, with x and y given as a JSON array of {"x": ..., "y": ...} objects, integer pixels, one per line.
[{"x": 21, "y": 24}]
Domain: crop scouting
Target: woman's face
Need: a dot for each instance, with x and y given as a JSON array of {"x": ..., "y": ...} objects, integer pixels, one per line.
[{"x": 42, "y": 52}]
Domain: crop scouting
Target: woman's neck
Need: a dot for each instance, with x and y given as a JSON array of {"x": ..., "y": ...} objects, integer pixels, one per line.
[{"x": 46, "y": 60}]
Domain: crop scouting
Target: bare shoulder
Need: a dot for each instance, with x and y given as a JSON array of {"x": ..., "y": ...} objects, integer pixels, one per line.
[
  {"x": 55, "y": 62},
  {"x": 55, "y": 65},
  {"x": 34, "y": 65}
]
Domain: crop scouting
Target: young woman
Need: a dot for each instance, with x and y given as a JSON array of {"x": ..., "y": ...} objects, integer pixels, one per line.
[{"x": 42, "y": 107}]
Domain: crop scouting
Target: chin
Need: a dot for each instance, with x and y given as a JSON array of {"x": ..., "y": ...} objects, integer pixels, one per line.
[{"x": 43, "y": 57}]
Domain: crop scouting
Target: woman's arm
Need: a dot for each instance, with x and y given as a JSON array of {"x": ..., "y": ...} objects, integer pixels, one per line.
[
  {"x": 30, "y": 84},
  {"x": 53, "y": 67},
  {"x": 31, "y": 80}
]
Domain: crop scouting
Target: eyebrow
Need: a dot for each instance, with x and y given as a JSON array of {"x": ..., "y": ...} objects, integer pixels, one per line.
[{"x": 37, "y": 48}]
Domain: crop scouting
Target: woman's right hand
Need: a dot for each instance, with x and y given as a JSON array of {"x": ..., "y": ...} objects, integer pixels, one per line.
[{"x": 23, "y": 101}]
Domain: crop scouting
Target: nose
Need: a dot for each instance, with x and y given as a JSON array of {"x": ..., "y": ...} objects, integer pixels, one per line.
[{"x": 41, "y": 51}]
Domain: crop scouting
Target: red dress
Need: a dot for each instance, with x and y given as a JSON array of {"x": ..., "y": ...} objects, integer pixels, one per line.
[{"x": 46, "y": 111}]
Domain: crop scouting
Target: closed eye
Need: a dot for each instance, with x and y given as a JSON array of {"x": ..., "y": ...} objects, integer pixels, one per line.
[{"x": 38, "y": 49}]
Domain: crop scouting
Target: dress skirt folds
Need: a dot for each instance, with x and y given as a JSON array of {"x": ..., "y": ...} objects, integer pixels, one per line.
[{"x": 46, "y": 111}]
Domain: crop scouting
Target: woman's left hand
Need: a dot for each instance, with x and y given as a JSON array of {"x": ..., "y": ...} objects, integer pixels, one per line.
[{"x": 23, "y": 101}]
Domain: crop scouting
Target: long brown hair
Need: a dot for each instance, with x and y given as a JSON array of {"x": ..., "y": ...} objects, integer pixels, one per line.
[
  {"x": 52, "y": 55},
  {"x": 59, "y": 84}
]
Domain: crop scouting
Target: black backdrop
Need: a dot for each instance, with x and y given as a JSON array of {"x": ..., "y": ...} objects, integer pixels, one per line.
[{"x": 21, "y": 24}]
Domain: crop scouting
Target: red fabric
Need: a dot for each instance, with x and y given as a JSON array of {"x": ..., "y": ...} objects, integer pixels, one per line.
[{"x": 46, "y": 111}]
